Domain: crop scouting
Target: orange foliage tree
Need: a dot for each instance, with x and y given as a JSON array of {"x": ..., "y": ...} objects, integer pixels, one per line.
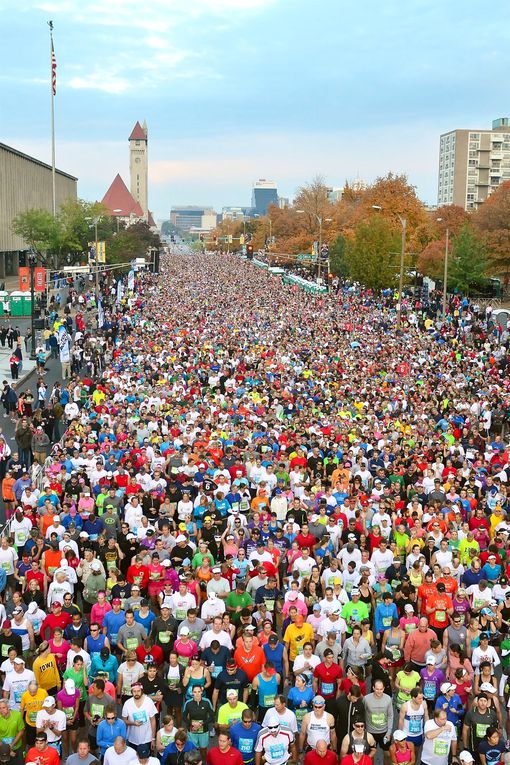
[{"x": 492, "y": 221}]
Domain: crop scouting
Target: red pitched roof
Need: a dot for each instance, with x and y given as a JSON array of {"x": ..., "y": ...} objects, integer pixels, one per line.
[
  {"x": 150, "y": 220},
  {"x": 118, "y": 197},
  {"x": 138, "y": 133}
]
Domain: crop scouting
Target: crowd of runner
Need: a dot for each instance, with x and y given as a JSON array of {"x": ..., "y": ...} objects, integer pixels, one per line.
[{"x": 271, "y": 519}]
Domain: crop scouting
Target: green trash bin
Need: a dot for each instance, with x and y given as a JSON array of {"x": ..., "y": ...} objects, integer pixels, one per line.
[
  {"x": 17, "y": 303},
  {"x": 4, "y": 297}
]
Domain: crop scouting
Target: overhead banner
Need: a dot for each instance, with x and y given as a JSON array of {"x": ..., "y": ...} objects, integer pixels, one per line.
[{"x": 131, "y": 280}]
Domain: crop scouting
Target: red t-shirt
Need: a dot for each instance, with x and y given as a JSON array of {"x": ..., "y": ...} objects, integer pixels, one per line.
[
  {"x": 328, "y": 679},
  {"x": 48, "y": 757},
  {"x": 231, "y": 757},
  {"x": 312, "y": 758},
  {"x": 156, "y": 652},
  {"x": 349, "y": 760}
]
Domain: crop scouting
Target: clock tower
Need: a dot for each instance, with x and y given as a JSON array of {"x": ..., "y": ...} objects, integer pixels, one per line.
[{"x": 138, "y": 166}]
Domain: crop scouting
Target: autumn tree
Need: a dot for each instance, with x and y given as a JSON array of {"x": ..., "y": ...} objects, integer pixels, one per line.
[
  {"x": 372, "y": 257},
  {"x": 492, "y": 221},
  {"x": 430, "y": 261},
  {"x": 468, "y": 263},
  {"x": 312, "y": 203}
]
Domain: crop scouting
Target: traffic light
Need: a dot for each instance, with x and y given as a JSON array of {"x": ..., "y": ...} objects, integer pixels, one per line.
[{"x": 249, "y": 251}]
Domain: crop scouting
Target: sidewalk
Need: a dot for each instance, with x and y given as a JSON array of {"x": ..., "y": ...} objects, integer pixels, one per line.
[{"x": 5, "y": 368}]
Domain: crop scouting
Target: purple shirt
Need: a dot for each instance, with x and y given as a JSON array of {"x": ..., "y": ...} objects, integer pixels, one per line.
[{"x": 431, "y": 683}]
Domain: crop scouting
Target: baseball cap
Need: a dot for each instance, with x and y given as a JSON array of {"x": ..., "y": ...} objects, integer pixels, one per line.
[
  {"x": 232, "y": 693},
  {"x": 143, "y": 751},
  {"x": 6, "y": 625},
  {"x": 70, "y": 686},
  {"x": 19, "y": 660},
  {"x": 446, "y": 687},
  {"x": 184, "y": 631},
  {"x": 408, "y": 607},
  {"x": 430, "y": 660},
  {"x": 49, "y": 701},
  {"x": 117, "y": 602},
  {"x": 399, "y": 735},
  {"x": 466, "y": 756},
  {"x": 180, "y": 538},
  {"x": 318, "y": 701}
]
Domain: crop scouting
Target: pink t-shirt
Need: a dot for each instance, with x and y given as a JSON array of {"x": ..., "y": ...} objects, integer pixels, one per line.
[{"x": 98, "y": 611}]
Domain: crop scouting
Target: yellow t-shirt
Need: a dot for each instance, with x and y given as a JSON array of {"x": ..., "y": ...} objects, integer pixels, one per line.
[
  {"x": 296, "y": 637},
  {"x": 46, "y": 672},
  {"x": 31, "y": 705}
]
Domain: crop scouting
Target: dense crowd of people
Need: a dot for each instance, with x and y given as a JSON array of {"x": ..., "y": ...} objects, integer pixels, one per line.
[{"x": 271, "y": 519}]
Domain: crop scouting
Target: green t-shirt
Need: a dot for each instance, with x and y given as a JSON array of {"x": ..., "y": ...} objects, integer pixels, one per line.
[
  {"x": 198, "y": 559},
  {"x": 78, "y": 681},
  {"x": 355, "y": 612},
  {"x": 234, "y": 600},
  {"x": 10, "y": 727},
  {"x": 228, "y": 715}
]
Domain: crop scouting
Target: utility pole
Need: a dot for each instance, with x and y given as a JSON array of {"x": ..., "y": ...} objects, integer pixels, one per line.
[{"x": 403, "y": 222}]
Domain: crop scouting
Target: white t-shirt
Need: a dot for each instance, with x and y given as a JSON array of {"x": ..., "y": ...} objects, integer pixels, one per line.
[
  {"x": 276, "y": 748},
  {"x": 435, "y": 751},
  {"x": 15, "y": 684},
  {"x": 58, "y": 723},
  {"x": 301, "y": 660},
  {"x": 139, "y": 734},
  {"x": 7, "y": 560},
  {"x": 112, "y": 758},
  {"x": 222, "y": 637}
]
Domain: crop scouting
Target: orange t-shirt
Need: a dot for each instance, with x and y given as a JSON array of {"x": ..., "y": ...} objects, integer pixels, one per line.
[
  {"x": 426, "y": 591},
  {"x": 441, "y": 603},
  {"x": 7, "y": 492},
  {"x": 251, "y": 662}
]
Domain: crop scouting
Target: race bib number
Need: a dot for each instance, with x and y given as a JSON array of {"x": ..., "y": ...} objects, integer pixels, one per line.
[
  {"x": 245, "y": 745},
  {"x": 276, "y": 751},
  {"x": 378, "y": 719},
  {"x": 268, "y": 700},
  {"x": 132, "y": 643},
  {"x": 327, "y": 689},
  {"x": 163, "y": 637},
  {"x": 441, "y": 748}
]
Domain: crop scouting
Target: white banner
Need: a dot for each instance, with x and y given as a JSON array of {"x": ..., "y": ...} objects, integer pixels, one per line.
[
  {"x": 120, "y": 290},
  {"x": 65, "y": 353},
  {"x": 100, "y": 313},
  {"x": 131, "y": 280}
]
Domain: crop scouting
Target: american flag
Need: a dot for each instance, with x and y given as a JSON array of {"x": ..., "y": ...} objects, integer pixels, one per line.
[{"x": 53, "y": 70}]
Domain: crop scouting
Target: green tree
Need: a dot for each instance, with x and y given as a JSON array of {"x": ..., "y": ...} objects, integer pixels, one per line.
[
  {"x": 468, "y": 263},
  {"x": 39, "y": 229},
  {"x": 338, "y": 256},
  {"x": 372, "y": 257}
]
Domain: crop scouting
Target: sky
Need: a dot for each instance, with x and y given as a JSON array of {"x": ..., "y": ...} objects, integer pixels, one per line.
[{"x": 236, "y": 90}]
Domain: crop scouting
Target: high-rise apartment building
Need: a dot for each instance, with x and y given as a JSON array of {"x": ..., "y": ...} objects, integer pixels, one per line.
[
  {"x": 472, "y": 164},
  {"x": 264, "y": 193}
]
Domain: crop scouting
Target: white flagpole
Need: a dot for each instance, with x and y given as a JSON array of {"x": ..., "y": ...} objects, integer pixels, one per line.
[{"x": 52, "y": 87}]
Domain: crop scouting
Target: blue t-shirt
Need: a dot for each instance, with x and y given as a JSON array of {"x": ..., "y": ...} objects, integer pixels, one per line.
[{"x": 244, "y": 740}]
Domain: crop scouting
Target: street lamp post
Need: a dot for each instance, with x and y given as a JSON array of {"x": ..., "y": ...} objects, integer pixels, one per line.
[
  {"x": 320, "y": 220},
  {"x": 32, "y": 262},
  {"x": 117, "y": 212}
]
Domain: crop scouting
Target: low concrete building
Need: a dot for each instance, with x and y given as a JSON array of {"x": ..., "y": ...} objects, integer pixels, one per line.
[{"x": 25, "y": 183}]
